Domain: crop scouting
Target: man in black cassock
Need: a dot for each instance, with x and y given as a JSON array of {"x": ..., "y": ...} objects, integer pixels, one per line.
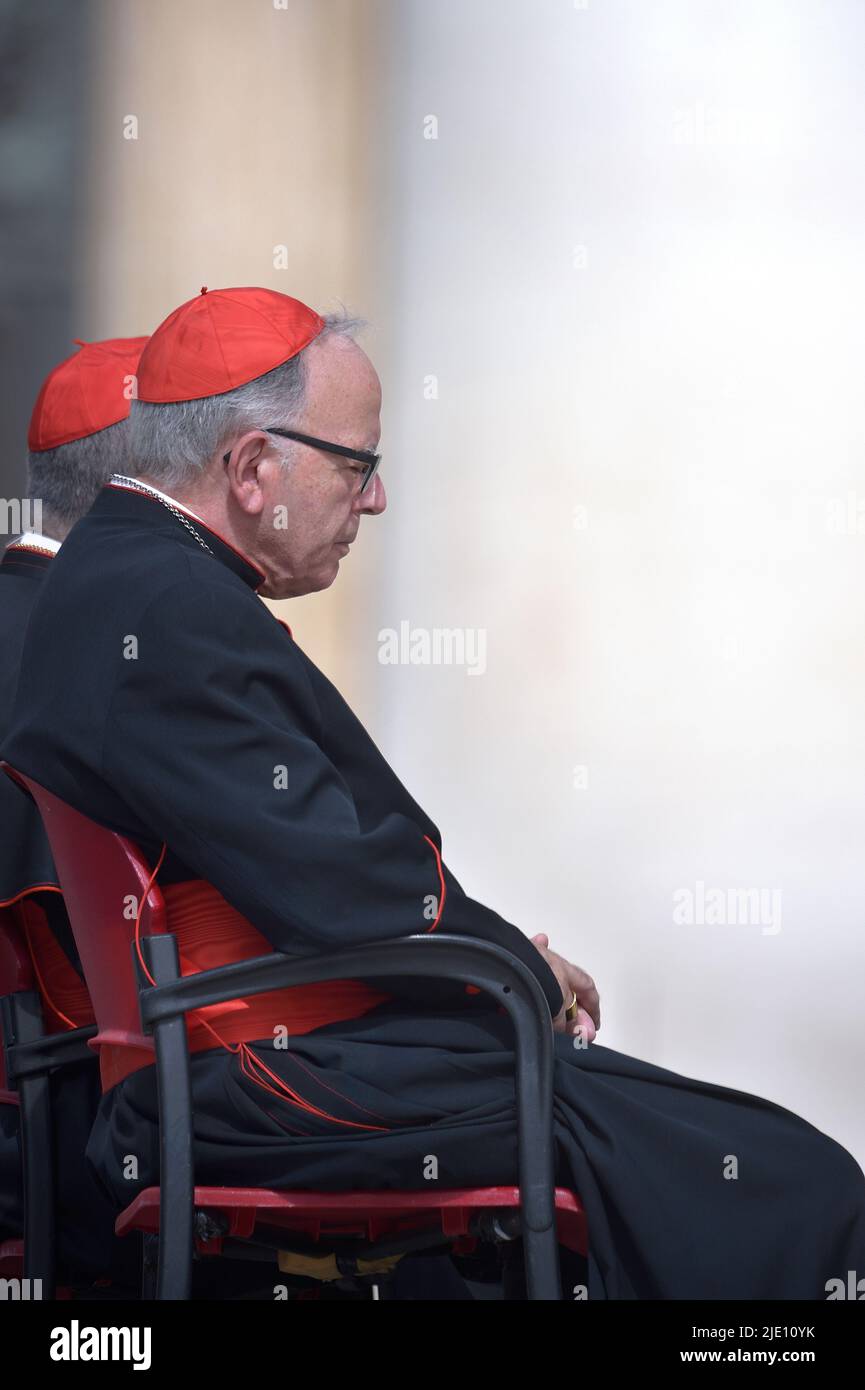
[
  {"x": 217, "y": 737},
  {"x": 77, "y": 438}
]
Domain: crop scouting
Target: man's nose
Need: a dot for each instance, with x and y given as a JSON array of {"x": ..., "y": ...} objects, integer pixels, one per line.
[{"x": 374, "y": 500}]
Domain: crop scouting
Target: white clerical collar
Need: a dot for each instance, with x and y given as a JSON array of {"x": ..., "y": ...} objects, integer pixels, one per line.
[
  {"x": 120, "y": 479},
  {"x": 34, "y": 540}
]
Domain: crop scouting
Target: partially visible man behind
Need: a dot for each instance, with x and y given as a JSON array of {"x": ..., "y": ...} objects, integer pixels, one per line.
[
  {"x": 78, "y": 437},
  {"x": 160, "y": 698}
]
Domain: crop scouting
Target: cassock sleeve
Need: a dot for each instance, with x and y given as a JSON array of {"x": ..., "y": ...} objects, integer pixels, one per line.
[{"x": 213, "y": 740}]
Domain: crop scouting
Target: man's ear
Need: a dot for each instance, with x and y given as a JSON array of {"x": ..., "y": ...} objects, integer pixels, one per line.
[{"x": 243, "y": 465}]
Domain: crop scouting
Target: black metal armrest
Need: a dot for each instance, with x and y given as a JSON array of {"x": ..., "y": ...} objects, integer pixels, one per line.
[
  {"x": 31, "y": 1056},
  {"x": 466, "y": 959},
  {"x": 445, "y": 956},
  {"x": 31, "y": 1052}
]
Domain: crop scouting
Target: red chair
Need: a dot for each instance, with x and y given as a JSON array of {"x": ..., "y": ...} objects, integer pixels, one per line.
[
  {"x": 29, "y": 1054},
  {"x": 98, "y": 870}
]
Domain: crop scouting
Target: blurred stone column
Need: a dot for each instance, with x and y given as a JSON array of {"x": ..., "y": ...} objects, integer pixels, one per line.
[
  {"x": 228, "y": 146},
  {"x": 43, "y": 79}
]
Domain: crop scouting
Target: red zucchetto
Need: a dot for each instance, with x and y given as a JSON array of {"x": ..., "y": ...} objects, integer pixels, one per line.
[
  {"x": 222, "y": 339},
  {"x": 87, "y": 392}
]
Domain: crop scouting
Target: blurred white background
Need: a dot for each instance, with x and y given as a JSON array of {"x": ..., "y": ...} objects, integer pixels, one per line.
[{"x": 633, "y": 260}]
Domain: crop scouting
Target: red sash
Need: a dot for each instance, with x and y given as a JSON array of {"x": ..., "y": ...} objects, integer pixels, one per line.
[{"x": 211, "y": 933}]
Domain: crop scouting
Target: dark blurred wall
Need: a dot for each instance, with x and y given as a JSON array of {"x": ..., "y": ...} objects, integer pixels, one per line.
[{"x": 43, "y": 115}]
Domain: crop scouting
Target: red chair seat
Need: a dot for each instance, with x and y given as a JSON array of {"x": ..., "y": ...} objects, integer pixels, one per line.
[{"x": 368, "y": 1215}]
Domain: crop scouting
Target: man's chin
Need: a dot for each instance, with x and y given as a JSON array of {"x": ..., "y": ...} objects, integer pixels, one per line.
[{"x": 296, "y": 588}]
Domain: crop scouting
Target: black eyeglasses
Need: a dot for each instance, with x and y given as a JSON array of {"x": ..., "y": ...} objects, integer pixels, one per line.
[{"x": 371, "y": 460}]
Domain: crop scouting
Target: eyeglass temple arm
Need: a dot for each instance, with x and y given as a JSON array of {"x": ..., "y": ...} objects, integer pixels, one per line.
[{"x": 362, "y": 455}]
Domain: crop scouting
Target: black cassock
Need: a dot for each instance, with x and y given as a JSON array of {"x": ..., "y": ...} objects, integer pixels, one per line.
[
  {"x": 86, "y": 1243},
  {"x": 161, "y": 697}
]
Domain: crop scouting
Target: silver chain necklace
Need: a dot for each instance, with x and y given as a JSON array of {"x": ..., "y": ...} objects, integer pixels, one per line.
[{"x": 169, "y": 507}]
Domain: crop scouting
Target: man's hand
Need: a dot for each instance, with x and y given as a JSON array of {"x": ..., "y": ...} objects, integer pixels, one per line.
[{"x": 573, "y": 981}]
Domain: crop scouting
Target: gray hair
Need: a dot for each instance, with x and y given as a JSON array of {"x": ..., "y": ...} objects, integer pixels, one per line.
[
  {"x": 67, "y": 479},
  {"x": 172, "y": 444}
]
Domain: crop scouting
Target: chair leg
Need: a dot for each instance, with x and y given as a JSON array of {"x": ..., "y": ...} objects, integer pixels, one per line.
[
  {"x": 38, "y": 1172},
  {"x": 24, "y": 1020},
  {"x": 177, "y": 1174},
  {"x": 149, "y": 1265},
  {"x": 513, "y": 1265},
  {"x": 535, "y": 1062}
]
